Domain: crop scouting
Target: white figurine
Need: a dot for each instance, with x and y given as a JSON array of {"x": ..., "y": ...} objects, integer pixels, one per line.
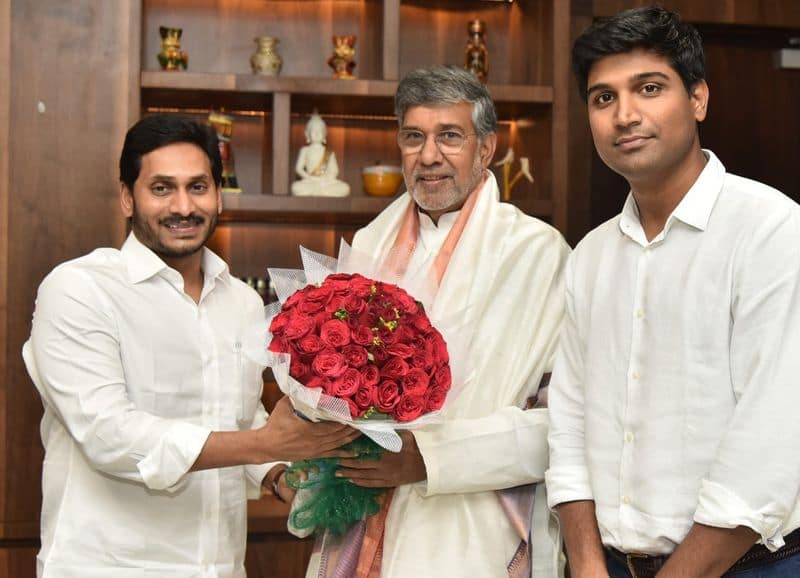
[{"x": 316, "y": 165}]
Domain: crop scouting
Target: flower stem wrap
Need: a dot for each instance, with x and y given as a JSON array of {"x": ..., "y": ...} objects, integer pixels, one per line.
[{"x": 337, "y": 503}]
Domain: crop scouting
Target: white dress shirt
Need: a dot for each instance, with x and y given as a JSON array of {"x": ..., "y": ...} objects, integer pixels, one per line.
[
  {"x": 675, "y": 394},
  {"x": 134, "y": 375}
]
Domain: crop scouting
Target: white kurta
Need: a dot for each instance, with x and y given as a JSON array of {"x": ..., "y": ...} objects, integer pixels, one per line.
[{"x": 505, "y": 276}]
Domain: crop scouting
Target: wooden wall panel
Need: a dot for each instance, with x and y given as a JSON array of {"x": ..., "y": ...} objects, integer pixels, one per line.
[
  {"x": 18, "y": 560},
  {"x": 69, "y": 102},
  {"x": 5, "y": 82},
  {"x": 781, "y": 13}
]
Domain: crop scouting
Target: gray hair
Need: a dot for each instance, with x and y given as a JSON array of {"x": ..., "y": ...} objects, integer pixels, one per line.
[{"x": 450, "y": 84}]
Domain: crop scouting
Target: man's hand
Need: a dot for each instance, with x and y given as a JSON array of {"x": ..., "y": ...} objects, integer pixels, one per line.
[
  {"x": 288, "y": 437},
  {"x": 390, "y": 470}
]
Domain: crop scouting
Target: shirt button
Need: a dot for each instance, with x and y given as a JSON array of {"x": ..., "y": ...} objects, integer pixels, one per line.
[
  {"x": 626, "y": 500},
  {"x": 629, "y": 437},
  {"x": 639, "y": 313},
  {"x": 635, "y": 375}
]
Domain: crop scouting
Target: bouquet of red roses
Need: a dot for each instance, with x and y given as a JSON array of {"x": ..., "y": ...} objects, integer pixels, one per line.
[
  {"x": 363, "y": 352},
  {"x": 366, "y": 343}
]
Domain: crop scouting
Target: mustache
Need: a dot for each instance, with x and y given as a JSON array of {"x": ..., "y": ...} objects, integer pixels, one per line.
[{"x": 177, "y": 219}]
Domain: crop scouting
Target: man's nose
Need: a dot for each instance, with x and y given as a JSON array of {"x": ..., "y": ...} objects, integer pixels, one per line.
[
  {"x": 182, "y": 203},
  {"x": 627, "y": 112},
  {"x": 430, "y": 153}
]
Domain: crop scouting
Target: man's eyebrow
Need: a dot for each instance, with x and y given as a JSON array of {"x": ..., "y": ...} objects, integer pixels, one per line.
[{"x": 635, "y": 78}]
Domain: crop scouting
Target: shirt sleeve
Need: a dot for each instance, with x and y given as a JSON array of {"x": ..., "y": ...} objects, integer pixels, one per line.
[
  {"x": 511, "y": 444},
  {"x": 754, "y": 479},
  {"x": 74, "y": 360},
  {"x": 568, "y": 476}
]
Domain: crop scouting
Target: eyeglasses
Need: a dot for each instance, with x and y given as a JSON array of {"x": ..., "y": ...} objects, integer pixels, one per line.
[{"x": 450, "y": 142}]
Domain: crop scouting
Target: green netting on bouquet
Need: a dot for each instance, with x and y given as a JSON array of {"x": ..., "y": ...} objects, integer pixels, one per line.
[{"x": 336, "y": 503}]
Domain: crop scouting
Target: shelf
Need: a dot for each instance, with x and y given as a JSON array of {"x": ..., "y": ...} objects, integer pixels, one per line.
[
  {"x": 285, "y": 209},
  {"x": 352, "y": 210},
  {"x": 193, "y": 88}
]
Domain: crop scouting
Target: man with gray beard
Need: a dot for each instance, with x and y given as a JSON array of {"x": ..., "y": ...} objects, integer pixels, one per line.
[{"x": 463, "y": 490}]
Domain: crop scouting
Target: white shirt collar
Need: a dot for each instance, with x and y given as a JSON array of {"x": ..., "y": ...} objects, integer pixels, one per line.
[
  {"x": 694, "y": 209},
  {"x": 142, "y": 263}
]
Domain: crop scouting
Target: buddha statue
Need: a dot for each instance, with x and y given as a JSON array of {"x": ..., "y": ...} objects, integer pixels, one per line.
[{"x": 316, "y": 165}]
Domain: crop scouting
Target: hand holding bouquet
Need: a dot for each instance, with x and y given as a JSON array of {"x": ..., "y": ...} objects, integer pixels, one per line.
[{"x": 362, "y": 352}]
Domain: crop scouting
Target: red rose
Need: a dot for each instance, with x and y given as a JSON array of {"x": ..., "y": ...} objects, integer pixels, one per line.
[
  {"x": 404, "y": 334},
  {"x": 365, "y": 397},
  {"x": 328, "y": 363},
  {"x": 370, "y": 375},
  {"x": 335, "y": 333},
  {"x": 421, "y": 322},
  {"x": 354, "y": 305},
  {"x": 314, "y": 300},
  {"x": 400, "y": 350},
  {"x": 309, "y": 344},
  {"x": 293, "y": 300},
  {"x": 297, "y": 327},
  {"x": 407, "y": 303},
  {"x": 438, "y": 347},
  {"x": 442, "y": 378},
  {"x": 347, "y": 384},
  {"x": 355, "y": 411},
  {"x": 299, "y": 370},
  {"x": 278, "y": 323},
  {"x": 434, "y": 399},
  {"x": 355, "y": 355},
  {"x": 386, "y": 335},
  {"x": 380, "y": 355},
  {"x": 387, "y": 396},
  {"x": 415, "y": 382},
  {"x": 395, "y": 368},
  {"x": 422, "y": 359},
  {"x": 361, "y": 286},
  {"x": 279, "y": 345},
  {"x": 338, "y": 282},
  {"x": 409, "y": 407},
  {"x": 315, "y": 381},
  {"x": 362, "y": 335}
]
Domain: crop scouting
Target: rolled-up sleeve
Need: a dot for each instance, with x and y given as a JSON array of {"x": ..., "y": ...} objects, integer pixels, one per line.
[
  {"x": 754, "y": 480},
  {"x": 73, "y": 357},
  {"x": 567, "y": 478}
]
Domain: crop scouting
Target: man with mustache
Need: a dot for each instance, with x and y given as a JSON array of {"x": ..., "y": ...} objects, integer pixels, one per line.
[
  {"x": 463, "y": 490},
  {"x": 674, "y": 436},
  {"x": 153, "y": 427}
]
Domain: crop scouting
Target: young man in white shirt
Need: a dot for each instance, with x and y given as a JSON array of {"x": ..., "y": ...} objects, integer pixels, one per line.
[
  {"x": 674, "y": 437},
  {"x": 153, "y": 427}
]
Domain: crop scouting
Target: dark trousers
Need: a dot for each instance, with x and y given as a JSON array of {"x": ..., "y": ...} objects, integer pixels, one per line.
[{"x": 788, "y": 567}]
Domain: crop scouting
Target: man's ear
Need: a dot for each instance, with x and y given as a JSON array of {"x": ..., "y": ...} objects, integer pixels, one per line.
[
  {"x": 486, "y": 149},
  {"x": 126, "y": 200},
  {"x": 699, "y": 98}
]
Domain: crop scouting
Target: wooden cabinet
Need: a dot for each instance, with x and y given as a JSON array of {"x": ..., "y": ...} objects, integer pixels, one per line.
[{"x": 393, "y": 37}]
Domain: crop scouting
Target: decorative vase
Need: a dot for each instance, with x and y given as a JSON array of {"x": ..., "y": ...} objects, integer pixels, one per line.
[
  {"x": 344, "y": 52},
  {"x": 476, "y": 55},
  {"x": 171, "y": 56},
  {"x": 266, "y": 60}
]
